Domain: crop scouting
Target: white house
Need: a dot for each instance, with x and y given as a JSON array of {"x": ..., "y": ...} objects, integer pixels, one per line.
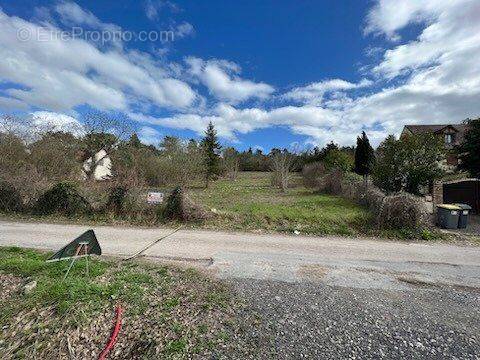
[{"x": 102, "y": 166}]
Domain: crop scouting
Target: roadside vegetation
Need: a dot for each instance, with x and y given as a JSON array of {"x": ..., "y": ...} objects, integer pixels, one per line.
[
  {"x": 332, "y": 190},
  {"x": 168, "y": 312}
]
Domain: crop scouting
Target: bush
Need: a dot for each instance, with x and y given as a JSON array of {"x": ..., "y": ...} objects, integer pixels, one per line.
[
  {"x": 409, "y": 164},
  {"x": 373, "y": 198},
  {"x": 180, "y": 207},
  {"x": 313, "y": 175},
  {"x": 353, "y": 187},
  {"x": 10, "y": 199},
  {"x": 338, "y": 159},
  {"x": 333, "y": 182},
  {"x": 116, "y": 200},
  {"x": 402, "y": 211},
  {"x": 63, "y": 198}
]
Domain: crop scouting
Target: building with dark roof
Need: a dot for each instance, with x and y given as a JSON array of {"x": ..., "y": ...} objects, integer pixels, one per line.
[{"x": 452, "y": 135}]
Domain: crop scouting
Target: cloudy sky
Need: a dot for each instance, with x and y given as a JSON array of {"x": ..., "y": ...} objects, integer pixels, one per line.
[{"x": 267, "y": 73}]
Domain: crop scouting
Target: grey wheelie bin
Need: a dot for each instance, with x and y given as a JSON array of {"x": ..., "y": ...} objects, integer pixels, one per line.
[
  {"x": 464, "y": 214},
  {"x": 448, "y": 215}
]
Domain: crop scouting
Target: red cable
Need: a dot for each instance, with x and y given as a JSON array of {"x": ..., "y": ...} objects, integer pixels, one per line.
[{"x": 113, "y": 337}]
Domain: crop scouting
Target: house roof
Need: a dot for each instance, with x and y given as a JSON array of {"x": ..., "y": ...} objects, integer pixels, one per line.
[{"x": 421, "y": 129}]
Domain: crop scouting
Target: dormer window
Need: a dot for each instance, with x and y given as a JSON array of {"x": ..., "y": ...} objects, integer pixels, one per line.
[{"x": 448, "y": 138}]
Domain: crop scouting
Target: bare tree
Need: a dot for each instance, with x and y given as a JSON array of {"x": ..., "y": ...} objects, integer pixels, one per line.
[
  {"x": 282, "y": 163},
  {"x": 231, "y": 162}
]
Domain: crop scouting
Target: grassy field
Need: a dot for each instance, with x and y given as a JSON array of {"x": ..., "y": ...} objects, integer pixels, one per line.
[
  {"x": 169, "y": 312},
  {"x": 251, "y": 203}
]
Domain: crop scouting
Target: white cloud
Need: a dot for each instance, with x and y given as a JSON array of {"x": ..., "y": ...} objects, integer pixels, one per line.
[
  {"x": 183, "y": 30},
  {"x": 31, "y": 126},
  {"x": 222, "y": 80},
  {"x": 452, "y": 26},
  {"x": 59, "y": 75},
  {"x": 230, "y": 121},
  {"x": 314, "y": 93},
  {"x": 72, "y": 14},
  {"x": 389, "y": 16},
  {"x": 438, "y": 81},
  {"x": 10, "y": 104},
  {"x": 49, "y": 121},
  {"x": 258, "y": 148},
  {"x": 149, "y": 135},
  {"x": 153, "y": 8}
]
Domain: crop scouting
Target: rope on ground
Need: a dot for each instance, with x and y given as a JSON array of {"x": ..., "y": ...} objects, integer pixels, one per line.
[{"x": 151, "y": 244}]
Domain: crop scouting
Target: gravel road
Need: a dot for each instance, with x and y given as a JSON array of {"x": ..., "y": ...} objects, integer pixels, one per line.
[{"x": 315, "y": 321}]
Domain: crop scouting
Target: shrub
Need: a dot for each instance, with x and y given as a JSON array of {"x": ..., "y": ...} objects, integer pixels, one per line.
[
  {"x": 402, "y": 211},
  {"x": 116, "y": 200},
  {"x": 10, "y": 199},
  {"x": 338, "y": 159},
  {"x": 62, "y": 198},
  {"x": 333, "y": 182},
  {"x": 54, "y": 156},
  {"x": 353, "y": 187},
  {"x": 282, "y": 163},
  {"x": 408, "y": 164},
  {"x": 373, "y": 198},
  {"x": 313, "y": 175},
  {"x": 180, "y": 207}
]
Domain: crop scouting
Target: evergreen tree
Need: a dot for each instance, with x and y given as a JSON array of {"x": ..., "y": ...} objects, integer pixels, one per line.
[
  {"x": 469, "y": 150},
  {"x": 211, "y": 148},
  {"x": 364, "y": 157},
  {"x": 135, "y": 141}
]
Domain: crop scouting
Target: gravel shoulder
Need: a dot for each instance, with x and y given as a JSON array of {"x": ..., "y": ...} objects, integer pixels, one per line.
[{"x": 314, "y": 321}]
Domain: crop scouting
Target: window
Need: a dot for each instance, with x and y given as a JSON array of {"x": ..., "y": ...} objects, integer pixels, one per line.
[{"x": 448, "y": 138}]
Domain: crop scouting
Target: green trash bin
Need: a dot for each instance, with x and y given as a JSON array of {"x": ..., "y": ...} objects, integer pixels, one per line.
[
  {"x": 448, "y": 216},
  {"x": 464, "y": 213}
]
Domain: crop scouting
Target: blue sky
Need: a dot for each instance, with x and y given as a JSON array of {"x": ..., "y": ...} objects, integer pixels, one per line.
[{"x": 267, "y": 73}]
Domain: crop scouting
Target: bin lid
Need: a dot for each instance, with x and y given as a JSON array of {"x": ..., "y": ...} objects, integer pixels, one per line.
[
  {"x": 464, "y": 206},
  {"x": 449, "y": 206}
]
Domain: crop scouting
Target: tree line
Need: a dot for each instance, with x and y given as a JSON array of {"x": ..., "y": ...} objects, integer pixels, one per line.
[{"x": 44, "y": 155}]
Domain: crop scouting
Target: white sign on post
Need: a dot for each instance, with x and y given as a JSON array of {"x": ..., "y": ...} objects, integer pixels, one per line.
[{"x": 155, "y": 197}]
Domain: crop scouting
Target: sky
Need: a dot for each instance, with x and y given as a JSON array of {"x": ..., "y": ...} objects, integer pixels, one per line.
[{"x": 267, "y": 73}]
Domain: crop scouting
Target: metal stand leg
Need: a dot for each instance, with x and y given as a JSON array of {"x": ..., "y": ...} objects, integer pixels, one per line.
[
  {"x": 69, "y": 268},
  {"x": 86, "y": 259},
  {"x": 81, "y": 246}
]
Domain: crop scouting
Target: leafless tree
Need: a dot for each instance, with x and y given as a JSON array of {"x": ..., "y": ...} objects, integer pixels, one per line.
[
  {"x": 231, "y": 162},
  {"x": 282, "y": 163}
]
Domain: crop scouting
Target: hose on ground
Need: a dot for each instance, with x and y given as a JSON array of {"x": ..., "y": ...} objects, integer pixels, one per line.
[{"x": 114, "y": 335}]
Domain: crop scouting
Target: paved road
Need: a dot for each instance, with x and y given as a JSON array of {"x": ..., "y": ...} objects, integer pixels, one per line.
[{"x": 361, "y": 263}]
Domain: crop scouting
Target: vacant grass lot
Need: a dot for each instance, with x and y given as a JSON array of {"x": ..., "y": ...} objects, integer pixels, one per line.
[
  {"x": 251, "y": 203},
  {"x": 169, "y": 312}
]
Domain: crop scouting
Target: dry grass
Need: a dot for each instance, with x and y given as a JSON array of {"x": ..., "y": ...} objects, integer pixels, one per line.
[{"x": 169, "y": 312}]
